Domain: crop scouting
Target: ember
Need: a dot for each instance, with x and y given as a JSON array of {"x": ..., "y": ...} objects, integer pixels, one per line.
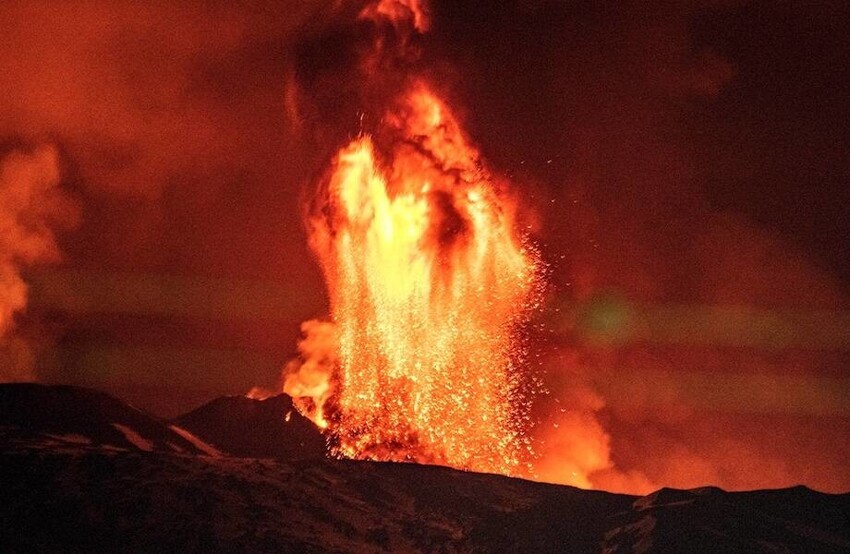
[{"x": 429, "y": 284}]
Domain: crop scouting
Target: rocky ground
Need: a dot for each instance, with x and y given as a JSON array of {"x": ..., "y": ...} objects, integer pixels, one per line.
[{"x": 114, "y": 479}]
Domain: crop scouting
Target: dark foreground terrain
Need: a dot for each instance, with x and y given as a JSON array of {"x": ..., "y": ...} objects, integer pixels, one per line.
[{"x": 69, "y": 484}]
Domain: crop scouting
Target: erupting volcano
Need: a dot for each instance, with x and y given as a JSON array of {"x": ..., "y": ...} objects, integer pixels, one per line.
[{"x": 429, "y": 282}]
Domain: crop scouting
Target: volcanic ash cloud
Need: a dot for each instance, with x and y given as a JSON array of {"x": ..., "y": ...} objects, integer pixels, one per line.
[{"x": 32, "y": 207}]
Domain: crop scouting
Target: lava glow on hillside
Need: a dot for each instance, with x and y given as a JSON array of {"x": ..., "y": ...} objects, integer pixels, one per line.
[{"x": 429, "y": 283}]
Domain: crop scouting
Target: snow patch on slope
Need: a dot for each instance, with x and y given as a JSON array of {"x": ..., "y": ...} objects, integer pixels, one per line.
[
  {"x": 72, "y": 438},
  {"x": 133, "y": 437},
  {"x": 199, "y": 444}
]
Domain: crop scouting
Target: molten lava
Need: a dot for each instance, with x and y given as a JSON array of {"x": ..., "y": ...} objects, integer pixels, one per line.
[{"x": 428, "y": 282}]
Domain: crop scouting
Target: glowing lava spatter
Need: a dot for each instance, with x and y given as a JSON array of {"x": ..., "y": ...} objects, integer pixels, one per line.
[{"x": 429, "y": 282}]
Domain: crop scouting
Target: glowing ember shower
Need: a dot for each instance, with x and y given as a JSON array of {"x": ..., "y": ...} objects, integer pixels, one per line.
[{"x": 428, "y": 283}]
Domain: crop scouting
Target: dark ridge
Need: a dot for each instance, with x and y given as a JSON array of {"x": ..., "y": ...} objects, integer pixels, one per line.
[
  {"x": 61, "y": 493},
  {"x": 31, "y": 413},
  {"x": 270, "y": 428},
  {"x": 708, "y": 519}
]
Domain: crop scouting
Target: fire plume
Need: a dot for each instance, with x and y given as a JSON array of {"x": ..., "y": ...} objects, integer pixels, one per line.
[
  {"x": 428, "y": 282},
  {"x": 398, "y": 11}
]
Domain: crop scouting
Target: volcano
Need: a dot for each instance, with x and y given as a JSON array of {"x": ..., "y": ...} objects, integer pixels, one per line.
[
  {"x": 248, "y": 427},
  {"x": 72, "y": 483},
  {"x": 538, "y": 251},
  {"x": 75, "y": 417}
]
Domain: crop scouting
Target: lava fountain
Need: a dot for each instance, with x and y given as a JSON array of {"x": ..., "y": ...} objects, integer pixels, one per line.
[{"x": 429, "y": 284}]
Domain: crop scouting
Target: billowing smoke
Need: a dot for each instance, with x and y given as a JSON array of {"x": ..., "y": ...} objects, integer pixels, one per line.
[
  {"x": 309, "y": 379},
  {"x": 32, "y": 207},
  {"x": 170, "y": 121},
  {"x": 138, "y": 93}
]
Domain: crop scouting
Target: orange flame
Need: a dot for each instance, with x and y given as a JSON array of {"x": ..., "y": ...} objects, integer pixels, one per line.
[
  {"x": 308, "y": 380},
  {"x": 398, "y": 11},
  {"x": 428, "y": 282}
]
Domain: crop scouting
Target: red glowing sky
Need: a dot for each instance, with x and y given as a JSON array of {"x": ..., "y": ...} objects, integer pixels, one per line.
[{"x": 684, "y": 171}]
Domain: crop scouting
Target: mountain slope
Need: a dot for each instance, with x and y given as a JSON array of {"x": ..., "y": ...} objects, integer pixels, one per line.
[
  {"x": 73, "y": 417},
  {"x": 107, "y": 501},
  {"x": 712, "y": 520},
  {"x": 103, "y": 500},
  {"x": 69, "y": 484},
  {"x": 270, "y": 428}
]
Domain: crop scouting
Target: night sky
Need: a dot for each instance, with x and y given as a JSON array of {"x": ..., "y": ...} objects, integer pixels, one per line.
[{"x": 682, "y": 167}]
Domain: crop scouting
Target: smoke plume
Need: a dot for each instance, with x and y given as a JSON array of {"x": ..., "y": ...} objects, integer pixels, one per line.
[
  {"x": 309, "y": 378},
  {"x": 32, "y": 206}
]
